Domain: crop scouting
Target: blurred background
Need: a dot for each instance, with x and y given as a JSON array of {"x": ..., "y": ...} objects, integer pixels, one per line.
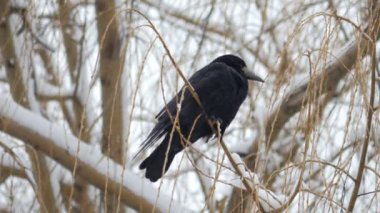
[{"x": 102, "y": 70}]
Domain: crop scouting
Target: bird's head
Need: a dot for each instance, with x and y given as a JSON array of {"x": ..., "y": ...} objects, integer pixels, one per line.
[{"x": 239, "y": 65}]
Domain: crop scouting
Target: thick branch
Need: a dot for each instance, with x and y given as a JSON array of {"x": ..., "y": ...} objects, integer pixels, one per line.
[
  {"x": 110, "y": 67},
  {"x": 327, "y": 81},
  {"x": 18, "y": 87},
  {"x": 373, "y": 32},
  {"x": 292, "y": 103},
  {"x": 69, "y": 151}
]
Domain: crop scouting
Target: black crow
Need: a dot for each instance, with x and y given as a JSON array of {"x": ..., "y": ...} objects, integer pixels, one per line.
[{"x": 222, "y": 87}]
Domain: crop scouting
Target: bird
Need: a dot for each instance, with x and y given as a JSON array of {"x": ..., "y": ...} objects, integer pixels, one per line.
[{"x": 221, "y": 87}]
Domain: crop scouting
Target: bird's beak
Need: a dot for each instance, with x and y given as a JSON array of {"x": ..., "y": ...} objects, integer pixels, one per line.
[{"x": 252, "y": 76}]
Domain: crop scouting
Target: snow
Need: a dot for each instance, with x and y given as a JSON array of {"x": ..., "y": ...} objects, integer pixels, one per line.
[
  {"x": 242, "y": 147},
  {"x": 268, "y": 199},
  {"x": 47, "y": 90},
  {"x": 85, "y": 153},
  {"x": 336, "y": 132}
]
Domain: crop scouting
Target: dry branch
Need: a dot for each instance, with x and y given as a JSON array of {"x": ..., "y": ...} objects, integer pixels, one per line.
[{"x": 326, "y": 82}]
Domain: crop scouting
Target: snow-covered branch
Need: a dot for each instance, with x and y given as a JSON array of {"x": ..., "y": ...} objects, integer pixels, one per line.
[
  {"x": 84, "y": 160},
  {"x": 327, "y": 80},
  {"x": 49, "y": 91}
]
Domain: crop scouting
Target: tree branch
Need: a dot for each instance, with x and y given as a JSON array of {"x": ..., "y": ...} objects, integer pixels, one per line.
[
  {"x": 327, "y": 81},
  {"x": 373, "y": 31},
  {"x": 70, "y": 152}
]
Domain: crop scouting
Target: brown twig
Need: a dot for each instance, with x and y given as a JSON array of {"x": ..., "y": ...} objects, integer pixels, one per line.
[{"x": 373, "y": 31}]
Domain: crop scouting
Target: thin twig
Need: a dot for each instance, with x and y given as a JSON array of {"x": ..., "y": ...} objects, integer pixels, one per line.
[{"x": 373, "y": 30}]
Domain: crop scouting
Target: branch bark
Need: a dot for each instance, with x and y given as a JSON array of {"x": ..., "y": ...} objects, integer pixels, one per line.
[
  {"x": 110, "y": 68},
  {"x": 373, "y": 31}
]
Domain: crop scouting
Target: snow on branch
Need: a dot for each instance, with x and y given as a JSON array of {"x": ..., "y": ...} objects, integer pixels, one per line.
[
  {"x": 82, "y": 159},
  {"x": 49, "y": 91},
  {"x": 328, "y": 78},
  {"x": 268, "y": 199}
]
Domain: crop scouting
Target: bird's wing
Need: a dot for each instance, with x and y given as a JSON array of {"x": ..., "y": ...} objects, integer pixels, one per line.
[
  {"x": 199, "y": 80},
  {"x": 216, "y": 88},
  {"x": 213, "y": 86}
]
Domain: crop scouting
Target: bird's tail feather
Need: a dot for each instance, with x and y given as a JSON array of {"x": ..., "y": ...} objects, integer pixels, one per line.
[
  {"x": 160, "y": 159},
  {"x": 158, "y": 131}
]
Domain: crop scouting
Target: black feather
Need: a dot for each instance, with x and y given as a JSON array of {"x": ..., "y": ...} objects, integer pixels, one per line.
[{"x": 221, "y": 86}]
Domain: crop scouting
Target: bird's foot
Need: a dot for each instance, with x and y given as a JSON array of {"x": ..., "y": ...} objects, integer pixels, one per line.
[{"x": 216, "y": 124}]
